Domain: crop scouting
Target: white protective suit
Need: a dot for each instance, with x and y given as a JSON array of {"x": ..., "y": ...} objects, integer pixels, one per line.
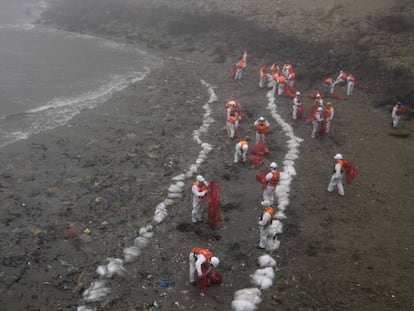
[
  {"x": 395, "y": 116},
  {"x": 264, "y": 225},
  {"x": 296, "y": 104},
  {"x": 318, "y": 118},
  {"x": 269, "y": 191},
  {"x": 260, "y": 136},
  {"x": 241, "y": 152},
  {"x": 349, "y": 86},
  {"x": 329, "y": 121},
  {"x": 336, "y": 179},
  {"x": 196, "y": 214}
]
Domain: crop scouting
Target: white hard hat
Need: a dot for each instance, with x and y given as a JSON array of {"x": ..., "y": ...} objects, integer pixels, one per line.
[
  {"x": 214, "y": 261},
  {"x": 338, "y": 156},
  {"x": 265, "y": 203},
  {"x": 298, "y": 93},
  {"x": 341, "y": 71},
  {"x": 261, "y": 119},
  {"x": 200, "y": 178},
  {"x": 320, "y": 109},
  {"x": 273, "y": 165},
  {"x": 318, "y": 95}
]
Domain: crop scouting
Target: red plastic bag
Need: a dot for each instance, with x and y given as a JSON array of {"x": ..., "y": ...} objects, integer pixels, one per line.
[
  {"x": 322, "y": 128},
  {"x": 260, "y": 149},
  {"x": 335, "y": 96},
  {"x": 289, "y": 91},
  {"x": 256, "y": 160},
  {"x": 350, "y": 172},
  {"x": 313, "y": 94},
  {"x": 242, "y": 114},
  {"x": 236, "y": 133},
  {"x": 213, "y": 197},
  {"x": 210, "y": 276},
  {"x": 261, "y": 178},
  {"x": 213, "y": 277},
  {"x": 232, "y": 72},
  {"x": 300, "y": 112},
  {"x": 326, "y": 95},
  {"x": 309, "y": 120}
]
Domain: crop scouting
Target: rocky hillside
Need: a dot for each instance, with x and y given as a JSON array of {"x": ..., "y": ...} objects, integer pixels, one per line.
[{"x": 383, "y": 28}]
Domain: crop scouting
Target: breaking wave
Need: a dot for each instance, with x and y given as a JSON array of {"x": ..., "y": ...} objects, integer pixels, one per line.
[{"x": 59, "y": 111}]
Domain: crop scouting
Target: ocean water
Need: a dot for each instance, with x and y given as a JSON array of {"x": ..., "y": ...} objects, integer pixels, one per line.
[{"x": 47, "y": 76}]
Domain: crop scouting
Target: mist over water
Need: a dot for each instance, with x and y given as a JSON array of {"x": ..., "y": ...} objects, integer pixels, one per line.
[
  {"x": 47, "y": 76},
  {"x": 18, "y": 12}
]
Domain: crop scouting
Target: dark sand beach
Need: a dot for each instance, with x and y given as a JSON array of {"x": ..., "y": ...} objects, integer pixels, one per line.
[{"x": 108, "y": 168}]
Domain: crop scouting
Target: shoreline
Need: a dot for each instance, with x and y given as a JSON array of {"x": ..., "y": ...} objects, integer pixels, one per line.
[{"x": 226, "y": 34}]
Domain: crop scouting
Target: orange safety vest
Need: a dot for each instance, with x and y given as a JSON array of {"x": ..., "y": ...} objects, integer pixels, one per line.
[
  {"x": 282, "y": 80},
  {"x": 269, "y": 210},
  {"x": 292, "y": 75},
  {"x": 263, "y": 71},
  {"x": 232, "y": 108},
  {"x": 351, "y": 78},
  {"x": 239, "y": 64},
  {"x": 275, "y": 76},
  {"x": 232, "y": 119},
  {"x": 275, "y": 67},
  {"x": 201, "y": 188},
  {"x": 328, "y": 112},
  {"x": 399, "y": 109},
  {"x": 232, "y": 103},
  {"x": 243, "y": 143},
  {"x": 343, "y": 76},
  {"x": 328, "y": 81},
  {"x": 261, "y": 128},
  {"x": 275, "y": 179},
  {"x": 203, "y": 251},
  {"x": 341, "y": 162}
]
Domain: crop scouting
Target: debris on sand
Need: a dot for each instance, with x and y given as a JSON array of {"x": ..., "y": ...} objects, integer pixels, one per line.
[
  {"x": 246, "y": 299},
  {"x": 115, "y": 266}
]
